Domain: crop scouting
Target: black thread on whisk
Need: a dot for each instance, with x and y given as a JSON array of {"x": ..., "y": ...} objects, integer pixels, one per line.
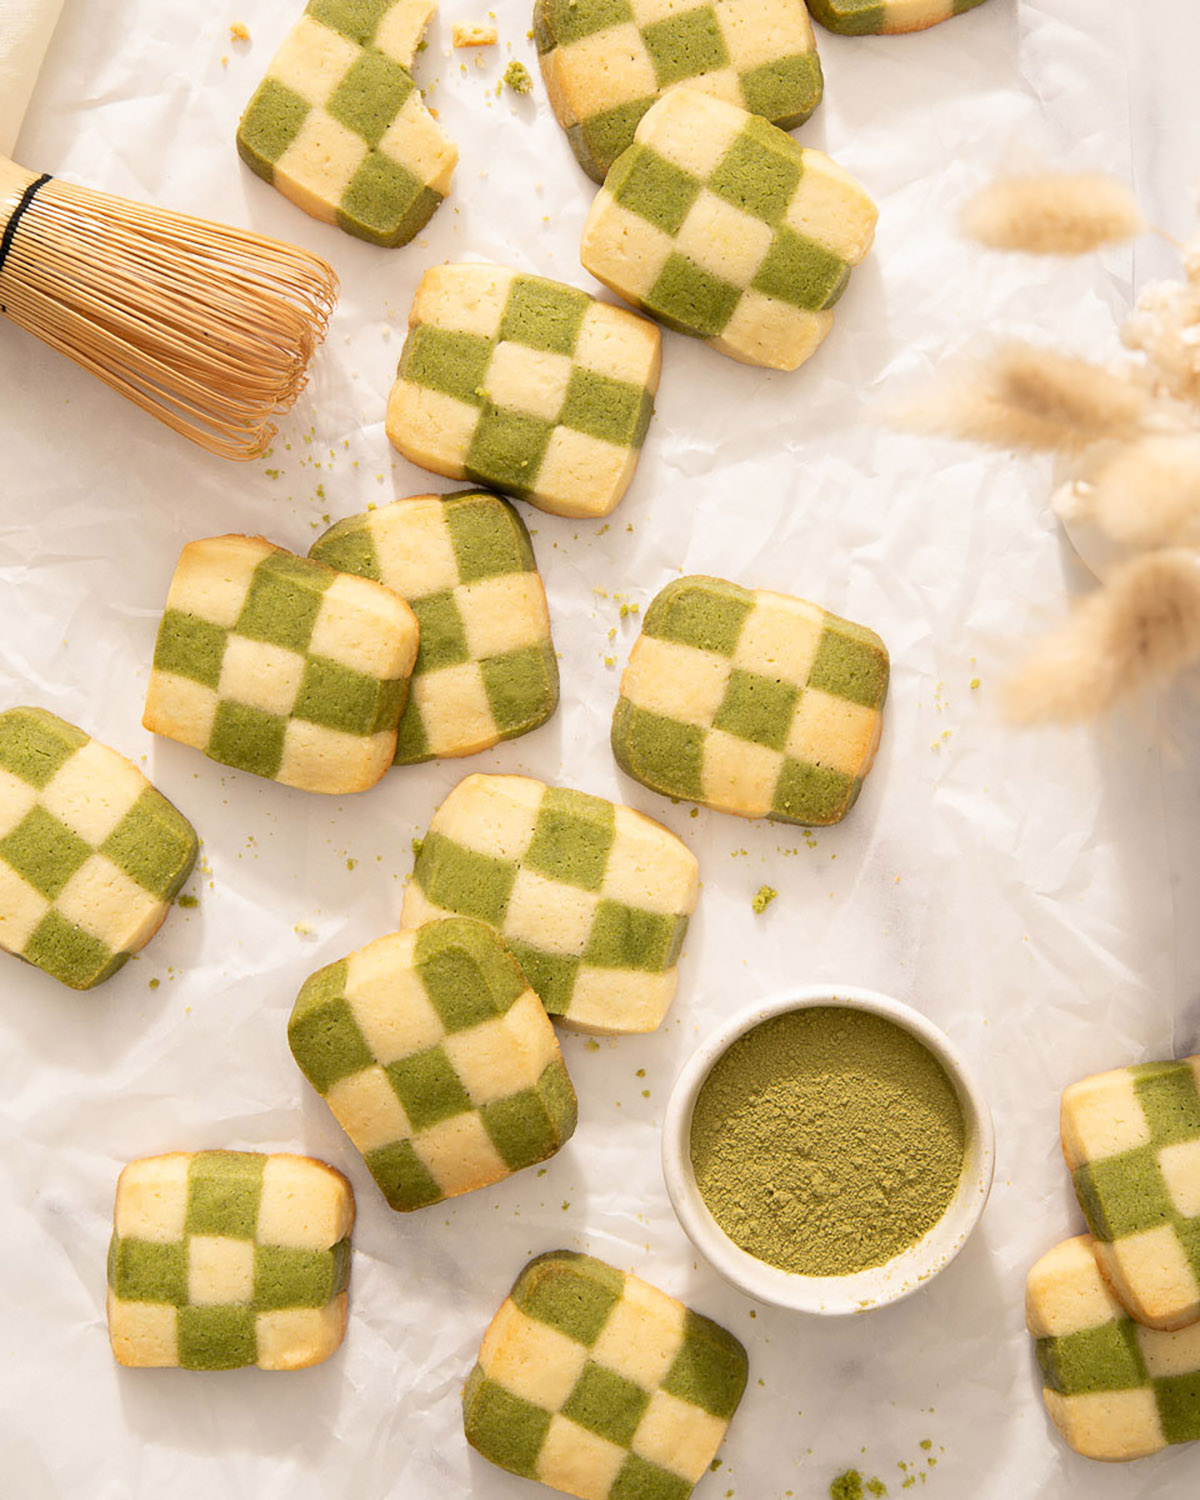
[{"x": 10, "y": 229}]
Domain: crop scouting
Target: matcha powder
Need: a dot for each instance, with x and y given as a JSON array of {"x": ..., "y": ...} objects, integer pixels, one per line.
[{"x": 827, "y": 1140}]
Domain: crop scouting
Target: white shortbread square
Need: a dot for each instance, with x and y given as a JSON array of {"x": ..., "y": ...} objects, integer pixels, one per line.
[
  {"x": 1152, "y": 1276},
  {"x": 416, "y": 141},
  {"x": 530, "y": 1359},
  {"x": 584, "y": 475},
  {"x": 220, "y": 1270},
  {"x": 548, "y": 915},
  {"x": 617, "y": 1002},
  {"x": 180, "y": 708},
  {"x": 319, "y": 165},
  {"x": 366, "y": 1107},
  {"x": 399, "y": 30},
  {"x": 388, "y": 1000},
  {"x": 502, "y": 1057},
  {"x": 454, "y": 709},
  {"x": 721, "y": 83},
  {"x": 414, "y": 548},
  {"x": 722, "y": 239},
  {"x": 152, "y": 1197},
  {"x": 1180, "y": 1167},
  {"x": 533, "y": 381},
  {"x": 365, "y": 628},
  {"x": 317, "y": 759},
  {"x": 738, "y": 774},
  {"x": 578, "y": 1461},
  {"x": 833, "y": 732},
  {"x": 144, "y": 1334},
  {"x": 758, "y": 32},
  {"x": 459, "y": 1154},
  {"x": 691, "y": 130},
  {"x": 622, "y": 249},
  {"x": 17, "y": 798},
  {"x": 1066, "y": 1293},
  {"x": 93, "y": 791},
  {"x": 899, "y": 15},
  {"x": 105, "y": 903},
  {"x": 291, "y": 1338},
  {"x": 503, "y": 613},
  {"x": 213, "y": 577},
  {"x": 679, "y": 682},
  {"x": 490, "y": 817},
  {"x": 21, "y": 908},
  {"x": 620, "y": 345},
  {"x": 431, "y": 429},
  {"x": 303, "y": 1204},
  {"x": 829, "y": 207},
  {"x": 465, "y": 298},
  {"x": 1108, "y": 1425},
  {"x": 604, "y": 70},
  {"x": 261, "y": 675},
  {"x": 1168, "y": 1354},
  {"x": 678, "y": 1436},
  {"x": 780, "y": 638},
  {"x": 649, "y": 868},
  {"x": 642, "y": 1336},
  {"x": 1100, "y": 1117},
  {"x": 764, "y": 331},
  {"x": 312, "y": 60}
]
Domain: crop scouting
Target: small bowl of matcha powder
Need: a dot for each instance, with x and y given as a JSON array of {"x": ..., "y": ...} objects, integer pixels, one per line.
[{"x": 828, "y": 1150}]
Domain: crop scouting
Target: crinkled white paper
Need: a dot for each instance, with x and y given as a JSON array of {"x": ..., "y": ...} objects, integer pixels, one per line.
[{"x": 1017, "y": 888}]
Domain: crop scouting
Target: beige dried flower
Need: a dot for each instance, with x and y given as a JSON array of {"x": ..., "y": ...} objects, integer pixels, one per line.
[
  {"x": 1133, "y": 635},
  {"x": 1165, "y": 327},
  {"x": 1145, "y": 494},
  {"x": 1055, "y": 214}
]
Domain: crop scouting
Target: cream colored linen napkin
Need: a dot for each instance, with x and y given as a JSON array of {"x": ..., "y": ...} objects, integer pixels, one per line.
[{"x": 25, "y": 30}]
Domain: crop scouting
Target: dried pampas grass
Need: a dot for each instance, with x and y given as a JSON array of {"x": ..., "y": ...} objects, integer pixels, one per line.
[
  {"x": 1059, "y": 214},
  {"x": 1133, "y": 635},
  {"x": 1145, "y": 494},
  {"x": 1165, "y": 327},
  {"x": 1024, "y": 397}
]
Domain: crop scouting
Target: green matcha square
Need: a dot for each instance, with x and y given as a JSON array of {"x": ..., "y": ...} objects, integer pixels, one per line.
[
  {"x": 283, "y": 601},
  {"x": 757, "y": 709},
  {"x": 270, "y": 125},
  {"x": 412, "y": 742},
  {"x": 607, "y": 1404},
  {"x": 466, "y": 972},
  {"x": 622, "y": 937},
  {"x": 146, "y": 1271},
  {"x": 572, "y": 1293},
  {"x": 284, "y": 1277},
  {"x": 683, "y": 46},
  {"x": 851, "y": 17},
  {"x": 453, "y": 363},
  {"x": 654, "y": 189},
  {"x": 1106, "y": 1358},
  {"x": 851, "y": 665},
  {"x": 707, "y": 615},
  {"x": 815, "y": 795},
  {"x": 599, "y": 140},
  {"x": 246, "y": 738},
  {"x": 521, "y": 1129},
  {"x": 614, "y": 410},
  {"x": 543, "y": 314},
  {"x": 369, "y": 97},
  {"x": 340, "y": 698},
  {"x": 69, "y": 954},
  {"x": 661, "y": 752},
  {"x": 507, "y": 450},
  {"x": 1123, "y": 1195},
  {"x": 35, "y": 745},
  {"x": 403, "y": 1177},
  {"x": 508, "y": 1431},
  {"x": 572, "y": 838},
  {"x": 799, "y": 271},
  {"x": 349, "y": 547},
  {"x": 325, "y": 1039},
  {"x": 710, "y": 1369},
  {"x": 223, "y": 1193},
  {"x": 571, "y": 20},
  {"x": 488, "y": 536},
  {"x": 385, "y": 203},
  {"x": 442, "y": 641},
  {"x": 44, "y": 851},
  {"x": 428, "y": 1087},
  {"x": 1188, "y": 1232},
  {"x": 459, "y": 879},
  {"x": 521, "y": 688},
  {"x": 1178, "y": 1400},
  {"x": 552, "y": 975},
  {"x": 153, "y": 844},
  {"x": 759, "y": 173},
  {"x": 692, "y": 300},
  {"x": 639, "y": 1479},
  {"x": 785, "y": 92},
  {"x": 357, "y": 20},
  {"x": 190, "y": 648},
  {"x": 216, "y": 1338},
  {"x": 1169, "y": 1099}
]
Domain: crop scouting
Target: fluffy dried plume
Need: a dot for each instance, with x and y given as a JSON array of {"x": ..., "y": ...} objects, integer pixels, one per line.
[
  {"x": 1056, "y": 214},
  {"x": 1165, "y": 327},
  {"x": 1024, "y": 397},
  {"x": 1132, "y": 636},
  {"x": 1145, "y": 494}
]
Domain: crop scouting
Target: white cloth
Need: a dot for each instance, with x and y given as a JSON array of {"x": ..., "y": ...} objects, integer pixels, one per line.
[{"x": 26, "y": 27}]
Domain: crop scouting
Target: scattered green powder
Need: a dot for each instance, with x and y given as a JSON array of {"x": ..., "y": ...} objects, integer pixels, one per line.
[
  {"x": 763, "y": 898},
  {"x": 827, "y": 1140},
  {"x": 188, "y": 900},
  {"x": 847, "y": 1486},
  {"x": 516, "y": 75}
]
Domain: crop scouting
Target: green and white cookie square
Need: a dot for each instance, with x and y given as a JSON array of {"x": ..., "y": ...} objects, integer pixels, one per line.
[
  {"x": 598, "y": 1384},
  {"x": 91, "y": 856},
  {"x": 525, "y": 385},
  {"x": 591, "y": 897},
  {"x": 885, "y": 17},
  {"x": 751, "y": 702},
  {"x": 221, "y": 1259},
  {"x": 438, "y": 1060},
  {"x": 339, "y": 126},
  {"x": 605, "y": 62},
  {"x": 717, "y": 224},
  {"x": 486, "y": 668},
  {"x": 281, "y": 666}
]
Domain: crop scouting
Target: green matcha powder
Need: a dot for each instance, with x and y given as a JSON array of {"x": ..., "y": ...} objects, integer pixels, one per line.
[{"x": 827, "y": 1140}]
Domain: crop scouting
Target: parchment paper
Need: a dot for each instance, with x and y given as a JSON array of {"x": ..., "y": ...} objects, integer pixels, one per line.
[{"x": 1034, "y": 894}]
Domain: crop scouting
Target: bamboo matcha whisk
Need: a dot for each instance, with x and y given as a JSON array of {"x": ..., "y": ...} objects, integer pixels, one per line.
[{"x": 206, "y": 327}]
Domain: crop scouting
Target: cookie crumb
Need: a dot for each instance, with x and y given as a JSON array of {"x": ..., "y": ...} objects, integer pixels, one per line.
[
  {"x": 518, "y": 78},
  {"x": 474, "y": 34},
  {"x": 239, "y": 31},
  {"x": 763, "y": 898}
]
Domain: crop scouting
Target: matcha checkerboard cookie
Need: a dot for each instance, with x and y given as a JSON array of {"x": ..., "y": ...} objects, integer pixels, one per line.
[
  {"x": 437, "y": 1059},
  {"x": 339, "y": 126},
  {"x": 592, "y": 898},
  {"x": 525, "y": 385},
  {"x": 716, "y": 223},
  {"x": 1114, "y": 1389},
  {"x": 486, "y": 669},
  {"x": 751, "y": 702},
  {"x": 91, "y": 856},
  {"x": 227, "y": 1258},
  {"x": 606, "y": 61},
  {"x": 279, "y": 665},
  {"x": 872, "y": 17},
  {"x": 1132, "y": 1141},
  {"x": 598, "y": 1384}
]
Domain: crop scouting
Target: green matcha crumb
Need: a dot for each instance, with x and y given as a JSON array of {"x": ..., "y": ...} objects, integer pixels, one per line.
[
  {"x": 351, "y": 864},
  {"x": 154, "y": 983},
  {"x": 926, "y": 1443},
  {"x": 593, "y": 1045},
  {"x": 272, "y": 473},
  {"x": 847, "y": 1486},
  {"x": 765, "y": 895},
  {"x": 645, "y": 1093},
  {"x": 566, "y": 1204},
  {"x": 542, "y": 1171},
  {"x": 417, "y": 846},
  {"x": 189, "y": 901},
  {"x": 976, "y": 684},
  {"x": 610, "y": 661},
  {"x": 714, "y": 1466},
  {"x": 876, "y": 1487},
  {"x": 641, "y": 1073},
  {"x": 695, "y": 812},
  {"x": 516, "y": 75}
]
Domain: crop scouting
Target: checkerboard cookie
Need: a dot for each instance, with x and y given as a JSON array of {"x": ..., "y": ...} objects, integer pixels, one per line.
[
  {"x": 606, "y": 61},
  {"x": 91, "y": 856},
  {"x": 227, "y": 1258},
  {"x": 598, "y": 1384},
  {"x": 874, "y": 17},
  {"x": 438, "y": 1060},
  {"x": 1132, "y": 1141},
  {"x": 717, "y": 224},
  {"x": 279, "y": 665},
  {"x": 525, "y": 385},
  {"x": 592, "y": 898},
  {"x": 339, "y": 126},
  {"x": 751, "y": 702},
  {"x": 486, "y": 669},
  {"x": 1114, "y": 1389}
]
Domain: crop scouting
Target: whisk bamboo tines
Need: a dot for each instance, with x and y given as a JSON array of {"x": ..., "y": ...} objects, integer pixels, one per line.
[{"x": 207, "y": 327}]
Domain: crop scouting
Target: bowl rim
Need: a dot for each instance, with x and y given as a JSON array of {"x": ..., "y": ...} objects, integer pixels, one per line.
[{"x": 861, "y": 1291}]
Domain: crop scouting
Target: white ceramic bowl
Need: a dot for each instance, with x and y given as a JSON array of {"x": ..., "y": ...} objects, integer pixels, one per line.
[{"x": 864, "y": 1289}]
